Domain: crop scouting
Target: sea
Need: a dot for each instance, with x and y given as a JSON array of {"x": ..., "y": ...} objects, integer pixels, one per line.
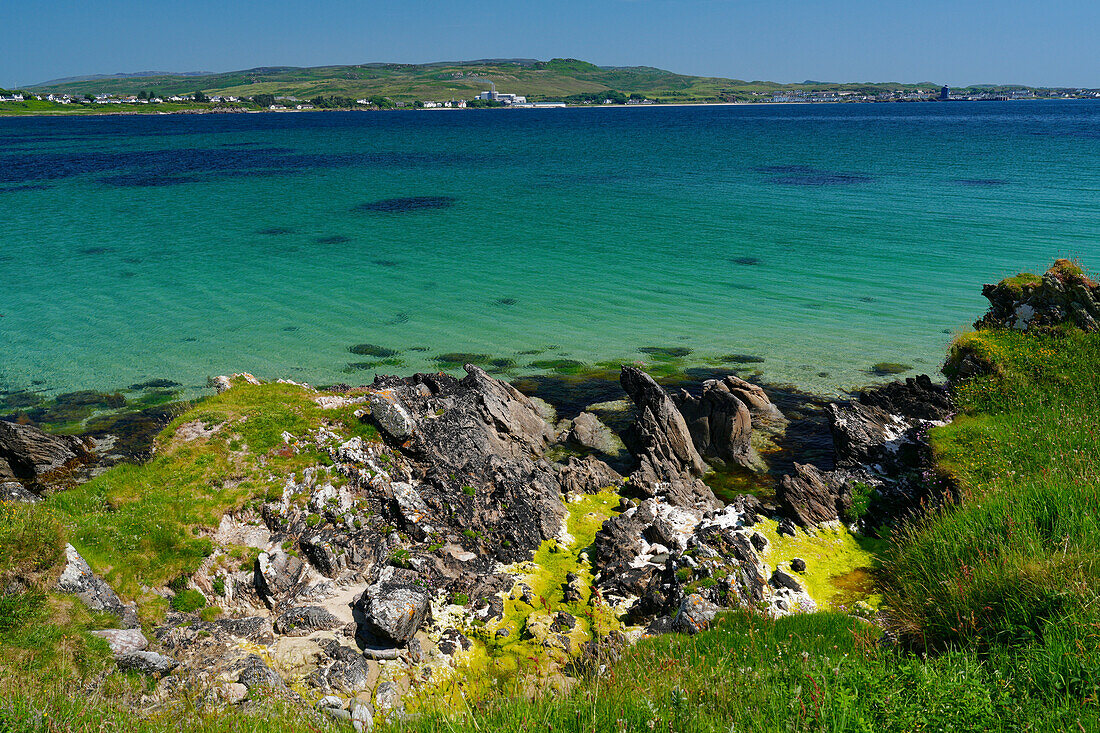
[{"x": 801, "y": 244}]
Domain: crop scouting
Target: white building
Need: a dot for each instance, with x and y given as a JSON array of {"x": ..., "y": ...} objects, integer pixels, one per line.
[{"x": 495, "y": 96}]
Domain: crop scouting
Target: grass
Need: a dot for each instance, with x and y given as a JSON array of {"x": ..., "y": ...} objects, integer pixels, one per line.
[
  {"x": 1017, "y": 560},
  {"x": 816, "y": 672}
]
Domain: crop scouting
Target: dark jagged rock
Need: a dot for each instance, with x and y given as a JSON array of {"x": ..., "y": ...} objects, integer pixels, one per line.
[
  {"x": 253, "y": 628},
  {"x": 812, "y": 496},
  {"x": 720, "y": 426},
  {"x": 588, "y": 433},
  {"x": 257, "y": 675},
  {"x": 394, "y": 607},
  {"x": 587, "y": 475},
  {"x": 916, "y": 397},
  {"x": 781, "y": 579},
  {"x": 695, "y": 615},
  {"x": 861, "y": 433},
  {"x": 451, "y": 422},
  {"x": 765, "y": 414},
  {"x": 146, "y": 662},
  {"x": 37, "y": 459},
  {"x": 669, "y": 464}
]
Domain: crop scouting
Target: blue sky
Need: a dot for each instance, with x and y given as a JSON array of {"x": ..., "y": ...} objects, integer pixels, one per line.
[{"x": 1050, "y": 42}]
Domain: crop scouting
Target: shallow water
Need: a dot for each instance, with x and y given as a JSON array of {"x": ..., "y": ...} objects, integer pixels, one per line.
[{"x": 820, "y": 239}]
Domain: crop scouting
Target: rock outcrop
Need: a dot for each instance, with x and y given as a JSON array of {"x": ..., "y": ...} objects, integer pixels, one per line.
[
  {"x": 394, "y": 607},
  {"x": 36, "y": 459},
  {"x": 669, "y": 465},
  {"x": 77, "y": 578},
  {"x": 880, "y": 450},
  {"x": 1064, "y": 294},
  {"x": 721, "y": 426}
]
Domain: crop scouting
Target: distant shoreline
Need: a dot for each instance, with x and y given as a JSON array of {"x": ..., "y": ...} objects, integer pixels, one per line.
[{"x": 238, "y": 111}]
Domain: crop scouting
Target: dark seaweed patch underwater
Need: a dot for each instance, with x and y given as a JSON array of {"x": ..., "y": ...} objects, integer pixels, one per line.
[
  {"x": 804, "y": 175},
  {"x": 407, "y": 204}
]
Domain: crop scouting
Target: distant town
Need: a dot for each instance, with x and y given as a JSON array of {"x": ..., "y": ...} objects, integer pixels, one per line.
[{"x": 199, "y": 101}]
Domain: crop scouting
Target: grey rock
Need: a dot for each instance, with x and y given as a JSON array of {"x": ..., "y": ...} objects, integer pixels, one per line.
[
  {"x": 122, "y": 641},
  {"x": 330, "y": 701},
  {"x": 589, "y": 433},
  {"x": 669, "y": 464},
  {"x": 720, "y": 426},
  {"x": 387, "y": 697},
  {"x": 253, "y": 628},
  {"x": 77, "y": 578},
  {"x": 759, "y": 541},
  {"x": 304, "y": 620},
  {"x": 587, "y": 475},
  {"x": 812, "y": 496},
  {"x": 696, "y": 614},
  {"x": 279, "y": 577},
  {"x": 256, "y": 674},
  {"x": 362, "y": 715},
  {"x": 146, "y": 662},
  {"x": 395, "y": 606}
]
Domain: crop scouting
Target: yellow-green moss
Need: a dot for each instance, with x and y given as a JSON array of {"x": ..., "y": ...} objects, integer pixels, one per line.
[{"x": 838, "y": 563}]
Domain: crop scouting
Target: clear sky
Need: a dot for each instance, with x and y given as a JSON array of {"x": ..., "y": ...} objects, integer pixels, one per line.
[{"x": 958, "y": 42}]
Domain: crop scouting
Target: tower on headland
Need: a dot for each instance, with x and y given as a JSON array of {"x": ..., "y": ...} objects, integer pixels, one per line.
[{"x": 945, "y": 93}]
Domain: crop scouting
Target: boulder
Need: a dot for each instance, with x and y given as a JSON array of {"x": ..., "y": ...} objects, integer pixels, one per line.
[
  {"x": 122, "y": 641},
  {"x": 765, "y": 415},
  {"x": 304, "y": 620},
  {"x": 147, "y": 663},
  {"x": 394, "y": 606},
  {"x": 77, "y": 578},
  {"x": 862, "y": 433},
  {"x": 279, "y": 576},
  {"x": 588, "y": 433}
]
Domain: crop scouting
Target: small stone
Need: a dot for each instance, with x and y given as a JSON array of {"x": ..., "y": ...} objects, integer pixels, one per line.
[
  {"x": 798, "y": 565},
  {"x": 502, "y": 633},
  {"x": 233, "y": 692},
  {"x": 386, "y": 696},
  {"x": 786, "y": 527},
  {"x": 759, "y": 541},
  {"x": 329, "y": 701}
]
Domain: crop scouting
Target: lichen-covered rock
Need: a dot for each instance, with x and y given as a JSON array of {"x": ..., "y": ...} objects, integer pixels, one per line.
[
  {"x": 695, "y": 615},
  {"x": 394, "y": 606}
]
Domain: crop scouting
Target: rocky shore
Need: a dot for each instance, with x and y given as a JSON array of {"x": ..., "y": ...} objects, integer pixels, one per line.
[{"x": 479, "y": 528}]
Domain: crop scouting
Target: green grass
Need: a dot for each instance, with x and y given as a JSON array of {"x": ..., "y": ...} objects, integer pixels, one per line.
[
  {"x": 1018, "y": 560},
  {"x": 818, "y": 672}
]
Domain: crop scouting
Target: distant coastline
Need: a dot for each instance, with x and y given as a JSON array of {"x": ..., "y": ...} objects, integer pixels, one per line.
[{"x": 62, "y": 110}]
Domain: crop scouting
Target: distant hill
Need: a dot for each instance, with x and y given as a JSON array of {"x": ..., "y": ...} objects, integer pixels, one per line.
[{"x": 537, "y": 80}]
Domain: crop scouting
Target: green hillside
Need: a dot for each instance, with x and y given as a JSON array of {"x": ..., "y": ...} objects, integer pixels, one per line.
[{"x": 538, "y": 80}]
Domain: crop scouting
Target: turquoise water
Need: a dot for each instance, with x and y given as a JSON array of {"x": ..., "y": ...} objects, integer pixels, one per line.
[{"x": 822, "y": 238}]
